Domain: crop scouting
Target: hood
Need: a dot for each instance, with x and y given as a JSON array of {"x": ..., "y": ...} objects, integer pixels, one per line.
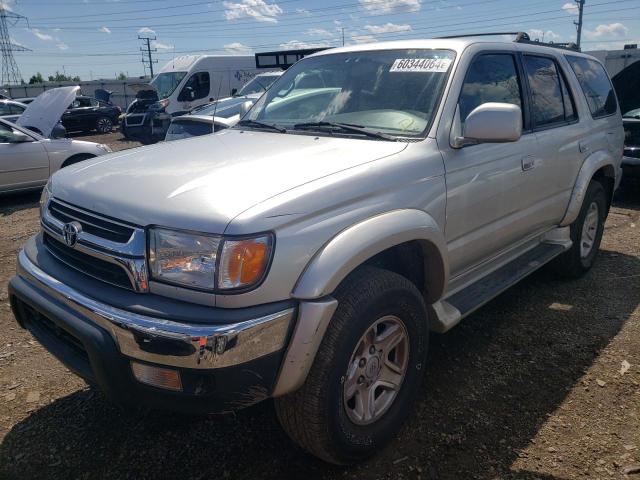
[
  {"x": 202, "y": 183},
  {"x": 144, "y": 90},
  {"x": 45, "y": 111},
  {"x": 103, "y": 95}
]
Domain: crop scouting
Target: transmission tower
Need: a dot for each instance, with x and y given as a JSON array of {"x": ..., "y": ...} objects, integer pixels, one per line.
[
  {"x": 148, "y": 50},
  {"x": 10, "y": 71}
]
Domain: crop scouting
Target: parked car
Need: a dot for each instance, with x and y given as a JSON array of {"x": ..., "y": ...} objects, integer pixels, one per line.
[
  {"x": 25, "y": 100},
  {"x": 86, "y": 114},
  {"x": 11, "y": 109},
  {"x": 200, "y": 121},
  {"x": 183, "y": 83},
  {"x": 27, "y": 159},
  {"x": 305, "y": 253},
  {"x": 631, "y": 159}
]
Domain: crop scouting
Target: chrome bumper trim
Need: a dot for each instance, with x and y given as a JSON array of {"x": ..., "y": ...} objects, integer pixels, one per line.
[{"x": 192, "y": 345}]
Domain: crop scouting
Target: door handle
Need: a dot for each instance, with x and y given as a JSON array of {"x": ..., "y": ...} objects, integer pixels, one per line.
[{"x": 528, "y": 163}]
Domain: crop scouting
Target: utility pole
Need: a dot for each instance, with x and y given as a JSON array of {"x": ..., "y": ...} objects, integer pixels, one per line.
[
  {"x": 10, "y": 70},
  {"x": 578, "y": 24},
  {"x": 343, "y": 36},
  {"x": 150, "y": 61}
]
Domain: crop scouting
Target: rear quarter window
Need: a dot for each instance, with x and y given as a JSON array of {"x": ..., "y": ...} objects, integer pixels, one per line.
[{"x": 596, "y": 86}]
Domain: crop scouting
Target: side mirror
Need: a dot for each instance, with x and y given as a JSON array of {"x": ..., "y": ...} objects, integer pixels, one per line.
[
  {"x": 234, "y": 91},
  {"x": 245, "y": 107},
  {"x": 19, "y": 137},
  {"x": 491, "y": 123}
]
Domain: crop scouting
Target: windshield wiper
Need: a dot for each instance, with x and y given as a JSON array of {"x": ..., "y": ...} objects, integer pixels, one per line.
[
  {"x": 255, "y": 123},
  {"x": 347, "y": 127}
]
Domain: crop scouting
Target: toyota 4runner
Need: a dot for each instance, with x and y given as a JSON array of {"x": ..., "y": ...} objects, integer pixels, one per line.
[{"x": 306, "y": 253}]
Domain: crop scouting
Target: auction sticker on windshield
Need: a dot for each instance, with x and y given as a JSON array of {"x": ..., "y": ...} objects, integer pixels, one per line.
[{"x": 420, "y": 65}]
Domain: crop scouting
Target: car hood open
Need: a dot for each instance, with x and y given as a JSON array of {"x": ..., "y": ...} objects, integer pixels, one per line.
[
  {"x": 202, "y": 183},
  {"x": 144, "y": 90},
  {"x": 46, "y": 109}
]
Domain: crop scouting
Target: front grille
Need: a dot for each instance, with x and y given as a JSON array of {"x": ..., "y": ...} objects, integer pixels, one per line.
[
  {"x": 98, "y": 226},
  {"x": 631, "y": 133},
  {"x": 632, "y": 152},
  {"x": 92, "y": 266}
]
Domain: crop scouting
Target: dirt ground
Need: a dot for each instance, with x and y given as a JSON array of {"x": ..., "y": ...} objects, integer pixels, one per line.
[{"x": 541, "y": 383}]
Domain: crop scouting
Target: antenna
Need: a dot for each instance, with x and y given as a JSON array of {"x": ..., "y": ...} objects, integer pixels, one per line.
[
  {"x": 10, "y": 71},
  {"x": 215, "y": 107}
]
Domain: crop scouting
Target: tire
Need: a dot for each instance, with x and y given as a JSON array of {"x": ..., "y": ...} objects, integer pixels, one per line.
[
  {"x": 579, "y": 259},
  {"x": 322, "y": 416},
  {"x": 104, "y": 125}
]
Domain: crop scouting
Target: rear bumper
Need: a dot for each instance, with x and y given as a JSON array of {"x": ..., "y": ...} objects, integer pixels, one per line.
[{"x": 222, "y": 367}]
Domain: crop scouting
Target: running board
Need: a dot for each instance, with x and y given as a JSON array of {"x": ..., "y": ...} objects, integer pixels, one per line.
[{"x": 447, "y": 313}]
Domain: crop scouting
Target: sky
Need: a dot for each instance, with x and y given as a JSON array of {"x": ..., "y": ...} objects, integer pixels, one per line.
[{"x": 99, "y": 38}]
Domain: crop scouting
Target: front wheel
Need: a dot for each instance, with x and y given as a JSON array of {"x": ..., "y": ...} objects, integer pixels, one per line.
[
  {"x": 366, "y": 373},
  {"x": 586, "y": 234},
  {"x": 104, "y": 125}
]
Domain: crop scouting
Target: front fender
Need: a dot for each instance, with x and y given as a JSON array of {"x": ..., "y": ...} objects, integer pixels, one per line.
[
  {"x": 356, "y": 244},
  {"x": 593, "y": 163}
]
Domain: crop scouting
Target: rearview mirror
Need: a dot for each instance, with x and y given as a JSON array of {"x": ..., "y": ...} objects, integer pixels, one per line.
[
  {"x": 491, "y": 123},
  {"x": 245, "y": 107}
]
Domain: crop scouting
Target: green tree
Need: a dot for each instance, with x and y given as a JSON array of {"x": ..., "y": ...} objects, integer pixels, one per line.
[
  {"x": 121, "y": 76},
  {"x": 61, "y": 77},
  {"x": 37, "y": 78}
]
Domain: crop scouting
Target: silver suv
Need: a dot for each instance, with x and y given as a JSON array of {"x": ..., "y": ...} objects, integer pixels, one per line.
[{"x": 306, "y": 253}]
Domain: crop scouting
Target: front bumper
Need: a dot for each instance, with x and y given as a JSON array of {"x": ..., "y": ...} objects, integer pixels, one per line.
[{"x": 222, "y": 367}]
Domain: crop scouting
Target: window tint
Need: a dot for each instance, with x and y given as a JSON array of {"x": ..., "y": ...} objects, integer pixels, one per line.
[
  {"x": 546, "y": 90},
  {"x": 491, "y": 78},
  {"x": 199, "y": 85},
  {"x": 596, "y": 86},
  {"x": 569, "y": 105}
]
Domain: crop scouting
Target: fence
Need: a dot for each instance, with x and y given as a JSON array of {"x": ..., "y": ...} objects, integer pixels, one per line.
[{"x": 122, "y": 95}]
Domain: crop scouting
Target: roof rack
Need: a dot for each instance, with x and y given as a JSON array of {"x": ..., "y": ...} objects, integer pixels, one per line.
[{"x": 521, "y": 37}]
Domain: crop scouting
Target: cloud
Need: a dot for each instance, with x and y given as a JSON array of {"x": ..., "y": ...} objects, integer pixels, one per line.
[
  {"x": 160, "y": 45},
  {"x": 237, "y": 47},
  {"x": 15, "y": 42},
  {"x": 548, "y": 35},
  {"x": 386, "y": 6},
  {"x": 387, "y": 28},
  {"x": 104, "y": 30},
  {"x": 318, "y": 32},
  {"x": 6, "y": 4},
  {"x": 256, "y": 9},
  {"x": 147, "y": 30},
  {"x": 42, "y": 36},
  {"x": 363, "y": 38},
  {"x": 296, "y": 44},
  {"x": 303, "y": 11},
  {"x": 611, "y": 29},
  {"x": 62, "y": 46},
  {"x": 570, "y": 7}
]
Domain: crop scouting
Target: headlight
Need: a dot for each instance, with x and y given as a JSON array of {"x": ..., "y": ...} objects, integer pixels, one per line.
[
  {"x": 44, "y": 197},
  {"x": 104, "y": 148},
  {"x": 208, "y": 262}
]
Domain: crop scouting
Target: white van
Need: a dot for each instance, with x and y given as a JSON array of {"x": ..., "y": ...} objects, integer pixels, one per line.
[{"x": 182, "y": 84}]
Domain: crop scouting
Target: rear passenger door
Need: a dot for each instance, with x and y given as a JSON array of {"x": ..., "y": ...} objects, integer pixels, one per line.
[{"x": 551, "y": 168}]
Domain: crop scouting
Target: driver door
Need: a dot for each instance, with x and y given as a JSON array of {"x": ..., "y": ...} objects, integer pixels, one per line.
[{"x": 22, "y": 165}]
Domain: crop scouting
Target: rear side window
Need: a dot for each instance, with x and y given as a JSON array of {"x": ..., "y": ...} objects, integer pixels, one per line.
[
  {"x": 491, "y": 78},
  {"x": 596, "y": 86},
  {"x": 551, "y": 102}
]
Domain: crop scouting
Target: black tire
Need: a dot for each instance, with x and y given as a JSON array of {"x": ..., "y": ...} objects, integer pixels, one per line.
[
  {"x": 315, "y": 416},
  {"x": 104, "y": 125},
  {"x": 574, "y": 263},
  {"x": 77, "y": 158}
]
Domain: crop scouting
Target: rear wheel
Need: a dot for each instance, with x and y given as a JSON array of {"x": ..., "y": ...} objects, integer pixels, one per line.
[
  {"x": 104, "y": 125},
  {"x": 586, "y": 234},
  {"x": 366, "y": 373}
]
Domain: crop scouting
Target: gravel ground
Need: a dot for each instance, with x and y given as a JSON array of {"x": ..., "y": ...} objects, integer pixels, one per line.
[{"x": 543, "y": 382}]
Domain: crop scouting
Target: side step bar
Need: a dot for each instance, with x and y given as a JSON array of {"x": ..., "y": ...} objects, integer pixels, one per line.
[{"x": 447, "y": 313}]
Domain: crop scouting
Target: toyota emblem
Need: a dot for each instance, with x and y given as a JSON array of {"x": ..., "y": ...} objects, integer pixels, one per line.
[{"x": 71, "y": 231}]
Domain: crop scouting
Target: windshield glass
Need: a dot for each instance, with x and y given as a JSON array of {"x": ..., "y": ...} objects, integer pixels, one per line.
[
  {"x": 226, "y": 108},
  {"x": 632, "y": 113},
  {"x": 392, "y": 91},
  {"x": 259, "y": 84},
  {"x": 165, "y": 83}
]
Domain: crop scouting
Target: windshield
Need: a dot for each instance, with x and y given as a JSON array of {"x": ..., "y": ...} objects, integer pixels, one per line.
[
  {"x": 259, "y": 84},
  {"x": 166, "y": 83},
  {"x": 394, "y": 92},
  {"x": 632, "y": 113},
  {"x": 226, "y": 108}
]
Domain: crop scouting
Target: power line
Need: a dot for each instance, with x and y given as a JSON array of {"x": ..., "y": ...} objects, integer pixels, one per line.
[{"x": 149, "y": 61}]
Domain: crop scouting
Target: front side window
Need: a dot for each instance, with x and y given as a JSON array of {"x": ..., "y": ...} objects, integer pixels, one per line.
[
  {"x": 165, "y": 83},
  {"x": 393, "y": 92},
  {"x": 546, "y": 91},
  {"x": 490, "y": 78},
  {"x": 196, "y": 87},
  {"x": 595, "y": 84}
]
